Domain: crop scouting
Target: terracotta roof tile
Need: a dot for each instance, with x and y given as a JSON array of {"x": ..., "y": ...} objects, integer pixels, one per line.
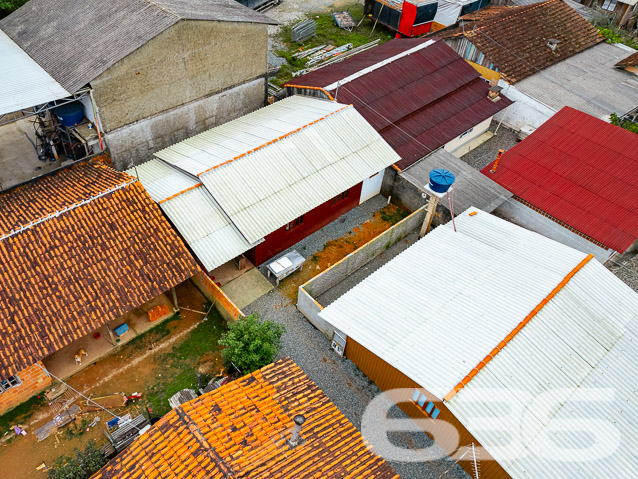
[
  {"x": 630, "y": 61},
  {"x": 240, "y": 430},
  {"x": 515, "y": 38},
  {"x": 93, "y": 246}
]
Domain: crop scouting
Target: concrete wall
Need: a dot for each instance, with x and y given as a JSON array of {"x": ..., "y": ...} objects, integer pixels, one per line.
[
  {"x": 135, "y": 143},
  {"x": 190, "y": 60},
  {"x": 34, "y": 379},
  {"x": 519, "y": 214},
  {"x": 526, "y": 110},
  {"x": 348, "y": 265},
  {"x": 458, "y": 142}
]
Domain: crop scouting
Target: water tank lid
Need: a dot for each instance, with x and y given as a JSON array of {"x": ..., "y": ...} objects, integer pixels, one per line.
[{"x": 441, "y": 180}]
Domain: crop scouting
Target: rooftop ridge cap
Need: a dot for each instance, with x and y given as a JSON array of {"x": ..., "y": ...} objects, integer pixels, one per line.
[
  {"x": 30, "y": 225},
  {"x": 179, "y": 193},
  {"x": 517, "y": 329},
  {"x": 285, "y": 135},
  {"x": 508, "y": 14},
  {"x": 376, "y": 66},
  {"x": 164, "y": 9}
]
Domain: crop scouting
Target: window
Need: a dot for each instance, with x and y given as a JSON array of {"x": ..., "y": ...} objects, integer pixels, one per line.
[
  {"x": 426, "y": 406},
  {"x": 10, "y": 382},
  {"x": 340, "y": 198},
  {"x": 609, "y": 5},
  {"x": 466, "y": 133},
  {"x": 294, "y": 223}
]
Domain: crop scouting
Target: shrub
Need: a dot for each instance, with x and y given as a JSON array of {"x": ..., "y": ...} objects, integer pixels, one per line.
[
  {"x": 81, "y": 466},
  {"x": 627, "y": 125},
  {"x": 9, "y": 6},
  {"x": 251, "y": 344}
]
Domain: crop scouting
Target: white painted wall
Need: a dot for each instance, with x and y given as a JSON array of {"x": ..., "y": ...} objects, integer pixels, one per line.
[
  {"x": 525, "y": 110},
  {"x": 476, "y": 131},
  {"x": 371, "y": 186}
]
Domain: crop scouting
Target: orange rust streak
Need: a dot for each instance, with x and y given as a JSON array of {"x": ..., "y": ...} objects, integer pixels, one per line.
[
  {"x": 177, "y": 194},
  {"x": 517, "y": 329},
  {"x": 312, "y": 88}
]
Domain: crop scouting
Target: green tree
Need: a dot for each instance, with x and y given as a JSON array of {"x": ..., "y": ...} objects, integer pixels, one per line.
[
  {"x": 9, "y": 6},
  {"x": 81, "y": 466},
  {"x": 251, "y": 344},
  {"x": 627, "y": 125}
]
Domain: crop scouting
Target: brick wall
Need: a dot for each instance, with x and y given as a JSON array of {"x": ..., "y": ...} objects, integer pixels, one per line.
[{"x": 34, "y": 380}]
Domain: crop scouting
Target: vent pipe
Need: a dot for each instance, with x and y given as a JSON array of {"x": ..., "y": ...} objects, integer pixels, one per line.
[
  {"x": 295, "y": 437},
  {"x": 498, "y": 158}
]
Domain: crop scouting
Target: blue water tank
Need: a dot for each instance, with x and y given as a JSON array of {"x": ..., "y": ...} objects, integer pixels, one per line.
[
  {"x": 441, "y": 180},
  {"x": 70, "y": 114}
]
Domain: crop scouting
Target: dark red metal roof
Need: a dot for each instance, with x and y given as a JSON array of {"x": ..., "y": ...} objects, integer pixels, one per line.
[
  {"x": 580, "y": 170},
  {"x": 418, "y": 102}
]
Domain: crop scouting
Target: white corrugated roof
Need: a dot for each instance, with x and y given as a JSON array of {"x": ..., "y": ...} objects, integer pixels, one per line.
[
  {"x": 225, "y": 142},
  {"x": 210, "y": 234},
  {"x": 585, "y": 341},
  {"x": 327, "y": 149},
  {"x": 24, "y": 83},
  {"x": 162, "y": 181},
  {"x": 439, "y": 308},
  {"x": 450, "y": 298}
]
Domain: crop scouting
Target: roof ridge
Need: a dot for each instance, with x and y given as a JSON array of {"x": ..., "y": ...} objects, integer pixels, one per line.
[
  {"x": 164, "y": 9},
  {"x": 67, "y": 209},
  {"x": 273, "y": 141},
  {"x": 506, "y": 14},
  {"x": 518, "y": 328}
]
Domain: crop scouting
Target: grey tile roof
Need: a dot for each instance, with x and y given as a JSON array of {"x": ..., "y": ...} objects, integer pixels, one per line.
[
  {"x": 586, "y": 81},
  {"x": 77, "y": 41},
  {"x": 471, "y": 187}
]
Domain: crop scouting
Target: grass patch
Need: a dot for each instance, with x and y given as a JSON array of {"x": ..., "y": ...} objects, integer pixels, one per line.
[
  {"x": 327, "y": 34},
  {"x": 179, "y": 366},
  {"x": 393, "y": 216},
  {"x": 21, "y": 413},
  {"x": 153, "y": 335}
]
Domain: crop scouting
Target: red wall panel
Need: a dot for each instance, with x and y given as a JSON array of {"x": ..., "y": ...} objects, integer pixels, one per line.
[{"x": 313, "y": 220}]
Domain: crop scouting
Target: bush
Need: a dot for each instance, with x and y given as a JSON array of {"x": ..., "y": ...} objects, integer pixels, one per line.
[
  {"x": 9, "y": 6},
  {"x": 614, "y": 35},
  {"x": 81, "y": 466},
  {"x": 627, "y": 125},
  {"x": 251, "y": 344}
]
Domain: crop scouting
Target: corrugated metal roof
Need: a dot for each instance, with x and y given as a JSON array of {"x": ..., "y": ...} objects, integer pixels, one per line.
[
  {"x": 470, "y": 187},
  {"x": 24, "y": 82},
  {"x": 77, "y": 41},
  {"x": 580, "y": 170},
  {"x": 450, "y": 298},
  {"x": 583, "y": 340},
  {"x": 417, "y": 102},
  {"x": 265, "y": 190},
  {"x": 436, "y": 310},
  {"x": 269, "y": 167},
  {"x": 226, "y": 142},
  {"x": 212, "y": 237}
]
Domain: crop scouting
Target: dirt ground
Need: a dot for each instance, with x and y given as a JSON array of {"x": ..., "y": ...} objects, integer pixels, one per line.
[
  {"x": 142, "y": 365},
  {"x": 335, "y": 250}
]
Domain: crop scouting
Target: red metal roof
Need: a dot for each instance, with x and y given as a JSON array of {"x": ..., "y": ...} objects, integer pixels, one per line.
[
  {"x": 580, "y": 170},
  {"x": 418, "y": 102}
]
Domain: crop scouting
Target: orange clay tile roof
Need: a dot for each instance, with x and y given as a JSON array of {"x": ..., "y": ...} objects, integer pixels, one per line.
[
  {"x": 515, "y": 38},
  {"x": 241, "y": 429},
  {"x": 93, "y": 246}
]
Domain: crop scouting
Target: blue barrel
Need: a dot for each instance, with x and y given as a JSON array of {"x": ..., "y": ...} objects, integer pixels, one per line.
[
  {"x": 70, "y": 114},
  {"x": 441, "y": 180}
]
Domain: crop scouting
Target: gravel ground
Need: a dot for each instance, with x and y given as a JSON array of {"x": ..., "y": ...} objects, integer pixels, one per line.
[
  {"x": 355, "y": 278},
  {"x": 344, "y": 384},
  {"x": 338, "y": 228},
  {"x": 481, "y": 156},
  {"x": 339, "y": 378},
  {"x": 626, "y": 268}
]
